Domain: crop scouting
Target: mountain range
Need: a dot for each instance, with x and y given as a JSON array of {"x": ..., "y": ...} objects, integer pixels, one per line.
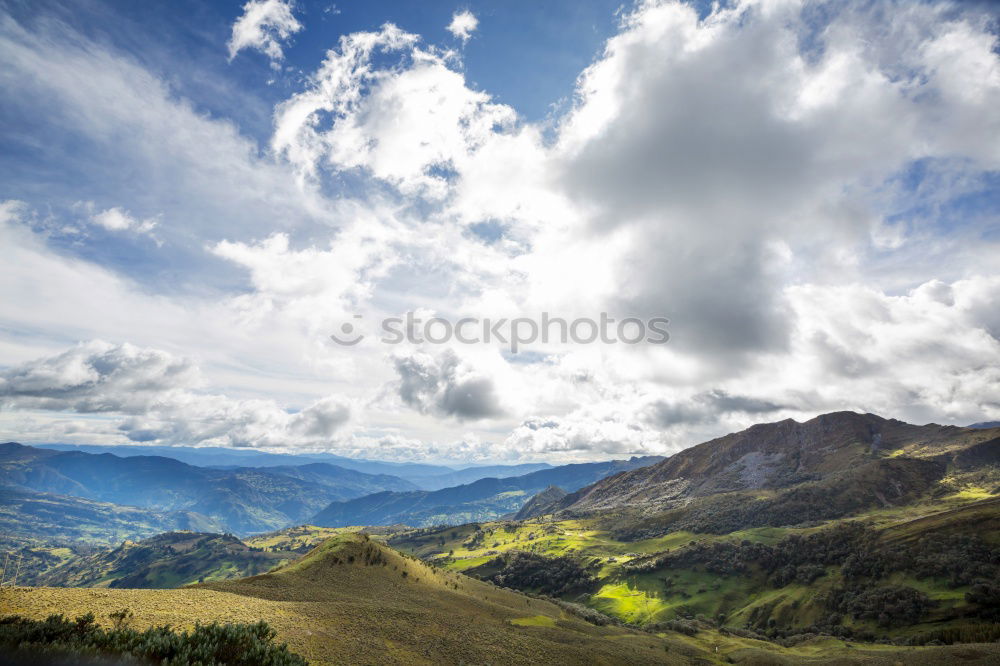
[
  {"x": 844, "y": 529},
  {"x": 780, "y": 543},
  {"x": 171, "y": 494},
  {"x": 481, "y": 500},
  {"x": 790, "y": 472},
  {"x": 422, "y": 475},
  {"x": 242, "y": 499}
]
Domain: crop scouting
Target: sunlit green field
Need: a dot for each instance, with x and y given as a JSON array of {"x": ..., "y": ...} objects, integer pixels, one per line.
[{"x": 663, "y": 595}]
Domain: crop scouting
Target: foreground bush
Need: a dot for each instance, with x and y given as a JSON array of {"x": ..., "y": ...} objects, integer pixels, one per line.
[{"x": 206, "y": 645}]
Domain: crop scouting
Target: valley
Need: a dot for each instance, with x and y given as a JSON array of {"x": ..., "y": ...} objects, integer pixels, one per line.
[
  {"x": 354, "y": 600},
  {"x": 489, "y": 333},
  {"x": 848, "y": 538}
]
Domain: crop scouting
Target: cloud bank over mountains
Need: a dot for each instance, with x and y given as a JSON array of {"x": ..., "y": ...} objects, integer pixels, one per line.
[{"x": 807, "y": 191}]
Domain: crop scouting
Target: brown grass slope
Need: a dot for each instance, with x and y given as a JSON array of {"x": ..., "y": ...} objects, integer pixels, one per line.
[
  {"x": 353, "y": 600},
  {"x": 378, "y": 606}
]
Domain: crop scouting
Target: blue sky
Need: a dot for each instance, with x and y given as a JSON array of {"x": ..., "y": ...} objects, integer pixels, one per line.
[
  {"x": 193, "y": 196},
  {"x": 527, "y": 55}
]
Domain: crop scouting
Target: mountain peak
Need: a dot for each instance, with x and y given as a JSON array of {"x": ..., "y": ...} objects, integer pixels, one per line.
[
  {"x": 542, "y": 503},
  {"x": 774, "y": 455}
]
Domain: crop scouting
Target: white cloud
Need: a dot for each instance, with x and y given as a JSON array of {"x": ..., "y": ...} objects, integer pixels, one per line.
[
  {"x": 156, "y": 389},
  {"x": 447, "y": 386},
  {"x": 200, "y": 172},
  {"x": 96, "y": 377},
  {"x": 116, "y": 219},
  {"x": 405, "y": 125},
  {"x": 584, "y": 435},
  {"x": 263, "y": 26},
  {"x": 930, "y": 354},
  {"x": 707, "y": 167},
  {"x": 463, "y": 24},
  {"x": 806, "y": 229}
]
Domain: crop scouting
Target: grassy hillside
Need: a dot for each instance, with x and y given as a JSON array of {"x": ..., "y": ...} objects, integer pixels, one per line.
[
  {"x": 299, "y": 540},
  {"x": 164, "y": 561},
  {"x": 353, "y": 600},
  {"x": 168, "y": 560},
  {"x": 777, "y": 582}
]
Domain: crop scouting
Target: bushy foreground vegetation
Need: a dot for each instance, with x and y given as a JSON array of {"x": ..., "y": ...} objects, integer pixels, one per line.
[{"x": 56, "y": 637}]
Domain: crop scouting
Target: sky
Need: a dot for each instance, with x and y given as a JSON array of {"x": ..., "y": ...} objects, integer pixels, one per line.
[{"x": 194, "y": 197}]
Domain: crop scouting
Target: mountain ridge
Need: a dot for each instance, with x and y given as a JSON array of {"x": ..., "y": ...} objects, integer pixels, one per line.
[
  {"x": 773, "y": 456},
  {"x": 243, "y": 499},
  {"x": 541, "y": 503},
  {"x": 480, "y": 500}
]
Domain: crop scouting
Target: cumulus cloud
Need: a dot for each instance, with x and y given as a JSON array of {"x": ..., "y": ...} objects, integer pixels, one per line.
[
  {"x": 263, "y": 26},
  {"x": 155, "y": 394},
  {"x": 584, "y": 434},
  {"x": 96, "y": 377},
  {"x": 707, "y": 407},
  {"x": 721, "y": 179},
  {"x": 928, "y": 354},
  {"x": 408, "y": 125},
  {"x": 321, "y": 419},
  {"x": 116, "y": 219},
  {"x": 463, "y": 24},
  {"x": 446, "y": 386}
]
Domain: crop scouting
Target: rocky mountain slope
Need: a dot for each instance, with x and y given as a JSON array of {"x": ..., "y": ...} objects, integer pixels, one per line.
[{"x": 890, "y": 458}]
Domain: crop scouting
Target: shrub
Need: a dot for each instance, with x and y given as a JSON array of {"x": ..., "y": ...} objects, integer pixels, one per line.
[
  {"x": 548, "y": 575},
  {"x": 586, "y": 613},
  {"x": 208, "y": 644},
  {"x": 986, "y": 595},
  {"x": 888, "y": 605}
]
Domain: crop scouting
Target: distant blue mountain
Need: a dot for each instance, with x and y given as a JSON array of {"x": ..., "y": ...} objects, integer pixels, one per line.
[
  {"x": 242, "y": 499},
  {"x": 424, "y": 476},
  {"x": 470, "y": 474},
  {"x": 215, "y": 456},
  {"x": 484, "y": 499}
]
